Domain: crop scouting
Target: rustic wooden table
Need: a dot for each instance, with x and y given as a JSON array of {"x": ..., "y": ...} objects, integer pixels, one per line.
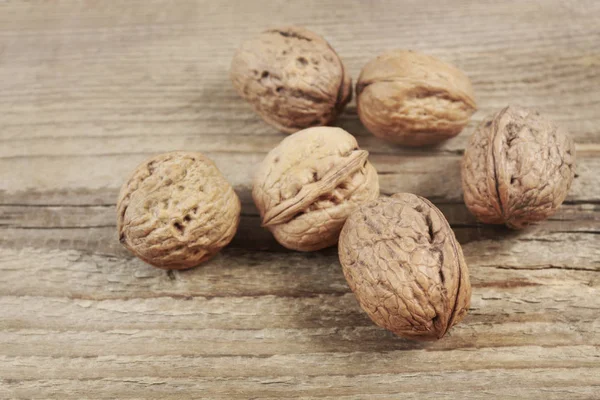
[{"x": 88, "y": 89}]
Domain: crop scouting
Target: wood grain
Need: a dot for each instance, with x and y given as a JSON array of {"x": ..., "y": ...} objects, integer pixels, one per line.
[{"x": 88, "y": 89}]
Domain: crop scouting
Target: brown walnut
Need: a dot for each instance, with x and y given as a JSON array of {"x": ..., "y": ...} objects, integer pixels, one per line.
[
  {"x": 292, "y": 78},
  {"x": 308, "y": 185},
  {"x": 405, "y": 266},
  {"x": 413, "y": 99},
  {"x": 517, "y": 168},
  {"x": 177, "y": 210}
]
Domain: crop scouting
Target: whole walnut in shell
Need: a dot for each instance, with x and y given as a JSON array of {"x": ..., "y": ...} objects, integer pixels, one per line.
[
  {"x": 403, "y": 263},
  {"x": 413, "y": 99},
  {"x": 517, "y": 168},
  {"x": 292, "y": 78},
  {"x": 308, "y": 185},
  {"x": 177, "y": 210}
]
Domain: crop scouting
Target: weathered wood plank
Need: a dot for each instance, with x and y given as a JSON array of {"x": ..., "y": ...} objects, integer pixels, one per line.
[
  {"x": 246, "y": 273},
  {"x": 89, "y": 89},
  {"x": 552, "y": 383},
  {"x": 113, "y": 366},
  {"x": 583, "y": 217},
  {"x": 218, "y": 342},
  {"x": 547, "y": 243},
  {"x": 75, "y": 180},
  {"x": 232, "y": 140},
  {"x": 193, "y": 95},
  {"x": 507, "y": 300}
]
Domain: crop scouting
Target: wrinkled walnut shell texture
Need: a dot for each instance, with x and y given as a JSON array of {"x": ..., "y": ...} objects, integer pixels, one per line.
[
  {"x": 413, "y": 99},
  {"x": 308, "y": 185},
  {"x": 517, "y": 168},
  {"x": 405, "y": 266},
  {"x": 292, "y": 78},
  {"x": 177, "y": 210}
]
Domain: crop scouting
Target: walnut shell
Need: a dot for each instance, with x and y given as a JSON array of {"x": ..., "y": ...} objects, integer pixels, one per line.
[
  {"x": 517, "y": 168},
  {"x": 177, "y": 210},
  {"x": 308, "y": 185},
  {"x": 292, "y": 78},
  {"x": 413, "y": 99},
  {"x": 403, "y": 263}
]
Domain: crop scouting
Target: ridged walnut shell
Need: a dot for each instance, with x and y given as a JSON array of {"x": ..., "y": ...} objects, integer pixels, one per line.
[
  {"x": 177, "y": 210},
  {"x": 403, "y": 263},
  {"x": 413, "y": 99},
  {"x": 310, "y": 183},
  {"x": 292, "y": 78},
  {"x": 517, "y": 168}
]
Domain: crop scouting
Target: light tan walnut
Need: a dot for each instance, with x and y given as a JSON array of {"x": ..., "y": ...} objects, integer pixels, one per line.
[
  {"x": 308, "y": 185},
  {"x": 413, "y": 99},
  {"x": 292, "y": 78},
  {"x": 177, "y": 210},
  {"x": 517, "y": 168},
  {"x": 405, "y": 266}
]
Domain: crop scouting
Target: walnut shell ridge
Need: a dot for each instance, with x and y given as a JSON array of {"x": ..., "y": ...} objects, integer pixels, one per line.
[
  {"x": 177, "y": 210},
  {"x": 413, "y": 99},
  {"x": 292, "y": 78},
  {"x": 307, "y": 186},
  {"x": 405, "y": 266},
  {"x": 517, "y": 168}
]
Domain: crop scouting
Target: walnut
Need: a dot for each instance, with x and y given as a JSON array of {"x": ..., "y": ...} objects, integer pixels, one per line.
[
  {"x": 403, "y": 263},
  {"x": 292, "y": 78},
  {"x": 413, "y": 99},
  {"x": 308, "y": 185},
  {"x": 517, "y": 168},
  {"x": 177, "y": 210}
]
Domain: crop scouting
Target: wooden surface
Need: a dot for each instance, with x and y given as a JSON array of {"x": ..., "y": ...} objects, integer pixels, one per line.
[{"x": 88, "y": 89}]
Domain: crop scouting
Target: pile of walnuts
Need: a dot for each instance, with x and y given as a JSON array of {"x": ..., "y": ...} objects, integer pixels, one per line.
[{"x": 317, "y": 188}]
